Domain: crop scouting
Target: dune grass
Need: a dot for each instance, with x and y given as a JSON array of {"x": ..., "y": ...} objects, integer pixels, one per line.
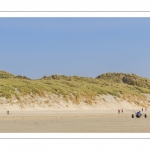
[{"x": 109, "y": 83}]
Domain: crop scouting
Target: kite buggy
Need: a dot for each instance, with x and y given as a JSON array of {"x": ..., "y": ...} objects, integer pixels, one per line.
[{"x": 139, "y": 114}]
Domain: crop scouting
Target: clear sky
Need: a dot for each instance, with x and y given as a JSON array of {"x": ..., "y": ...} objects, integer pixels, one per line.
[{"x": 35, "y": 47}]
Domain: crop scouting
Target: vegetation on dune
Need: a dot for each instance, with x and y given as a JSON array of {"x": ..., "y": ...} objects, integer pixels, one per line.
[
  {"x": 67, "y": 86},
  {"x": 22, "y": 77},
  {"x": 131, "y": 79},
  {"x": 6, "y": 75}
]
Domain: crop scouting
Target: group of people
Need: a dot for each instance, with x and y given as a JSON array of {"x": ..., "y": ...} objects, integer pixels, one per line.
[
  {"x": 120, "y": 111},
  {"x": 143, "y": 109}
]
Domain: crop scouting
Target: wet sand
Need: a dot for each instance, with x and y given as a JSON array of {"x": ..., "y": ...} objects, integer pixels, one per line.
[{"x": 73, "y": 122}]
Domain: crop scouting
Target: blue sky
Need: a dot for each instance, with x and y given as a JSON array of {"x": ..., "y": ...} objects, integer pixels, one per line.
[{"x": 35, "y": 47}]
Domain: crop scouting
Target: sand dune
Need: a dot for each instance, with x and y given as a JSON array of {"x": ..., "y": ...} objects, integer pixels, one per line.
[{"x": 53, "y": 102}]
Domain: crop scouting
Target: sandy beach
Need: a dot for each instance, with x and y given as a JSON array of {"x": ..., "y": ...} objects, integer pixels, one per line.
[
  {"x": 67, "y": 117},
  {"x": 75, "y": 121}
]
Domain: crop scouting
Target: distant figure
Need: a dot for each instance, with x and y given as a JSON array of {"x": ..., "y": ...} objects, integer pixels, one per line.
[
  {"x": 142, "y": 109},
  {"x": 118, "y": 111},
  {"x": 139, "y": 113},
  {"x": 122, "y": 110},
  {"x": 7, "y": 112}
]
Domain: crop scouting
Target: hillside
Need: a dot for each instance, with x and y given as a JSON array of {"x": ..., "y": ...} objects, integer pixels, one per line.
[{"x": 20, "y": 89}]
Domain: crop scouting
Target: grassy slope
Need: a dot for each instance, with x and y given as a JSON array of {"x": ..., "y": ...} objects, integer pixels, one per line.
[{"x": 109, "y": 83}]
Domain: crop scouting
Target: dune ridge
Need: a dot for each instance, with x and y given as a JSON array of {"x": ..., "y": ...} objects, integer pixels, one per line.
[{"x": 106, "y": 91}]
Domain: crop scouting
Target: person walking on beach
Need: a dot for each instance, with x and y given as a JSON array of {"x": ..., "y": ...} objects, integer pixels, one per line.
[
  {"x": 122, "y": 110},
  {"x": 118, "y": 111}
]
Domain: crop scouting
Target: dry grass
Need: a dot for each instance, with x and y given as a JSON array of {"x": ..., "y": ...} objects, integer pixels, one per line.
[{"x": 74, "y": 87}]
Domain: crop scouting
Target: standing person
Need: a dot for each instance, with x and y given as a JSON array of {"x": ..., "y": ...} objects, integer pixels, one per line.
[
  {"x": 118, "y": 111},
  {"x": 122, "y": 110},
  {"x": 142, "y": 109}
]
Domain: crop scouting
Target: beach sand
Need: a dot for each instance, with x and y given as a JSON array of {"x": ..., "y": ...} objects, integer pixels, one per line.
[{"x": 73, "y": 121}]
